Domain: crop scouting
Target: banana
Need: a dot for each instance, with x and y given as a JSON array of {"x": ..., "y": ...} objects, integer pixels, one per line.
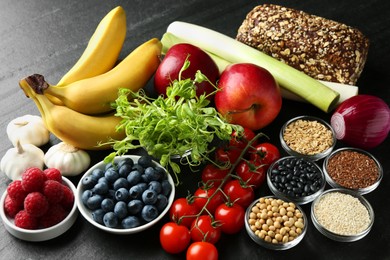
[
  {"x": 82, "y": 131},
  {"x": 94, "y": 95},
  {"x": 103, "y": 48}
]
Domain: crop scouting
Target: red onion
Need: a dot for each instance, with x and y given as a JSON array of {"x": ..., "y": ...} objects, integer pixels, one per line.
[{"x": 362, "y": 121}]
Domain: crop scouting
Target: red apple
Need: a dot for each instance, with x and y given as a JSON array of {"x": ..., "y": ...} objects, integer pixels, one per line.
[
  {"x": 248, "y": 96},
  {"x": 173, "y": 61}
]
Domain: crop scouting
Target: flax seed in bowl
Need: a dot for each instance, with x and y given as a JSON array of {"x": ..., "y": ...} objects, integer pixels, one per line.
[
  {"x": 308, "y": 137},
  {"x": 353, "y": 169},
  {"x": 342, "y": 215}
]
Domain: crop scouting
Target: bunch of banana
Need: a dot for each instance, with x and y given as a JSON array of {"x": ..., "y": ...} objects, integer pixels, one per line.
[
  {"x": 77, "y": 129},
  {"x": 78, "y": 109}
]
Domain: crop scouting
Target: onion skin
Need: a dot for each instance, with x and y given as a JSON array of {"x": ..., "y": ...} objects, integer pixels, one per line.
[{"x": 362, "y": 121}]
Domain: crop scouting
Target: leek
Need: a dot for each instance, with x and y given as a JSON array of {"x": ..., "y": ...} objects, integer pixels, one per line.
[
  {"x": 233, "y": 51},
  {"x": 345, "y": 91}
]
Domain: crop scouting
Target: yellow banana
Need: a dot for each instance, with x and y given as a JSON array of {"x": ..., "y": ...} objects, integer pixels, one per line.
[
  {"x": 82, "y": 131},
  {"x": 103, "y": 48},
  {"x": 95, "y": 95}
]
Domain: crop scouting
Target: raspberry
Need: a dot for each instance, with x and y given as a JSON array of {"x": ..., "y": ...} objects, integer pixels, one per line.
[
  {"x": 53, "y": 191},
  {"x": 53, "y": 174},
  {"x": 68, "y": 199},
  {"x": 33, "y": 179},
  {"x": 36, "y": 204},
  {"x": 11, "y": 207},
  {"x": 25, "y": 220},
  {"x": 16, "y": 192},
  {"x": 53, "y": 216}
]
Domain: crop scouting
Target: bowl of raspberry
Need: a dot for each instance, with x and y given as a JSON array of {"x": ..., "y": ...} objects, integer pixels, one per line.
[
  {"x": 125, "y": 196},
  {"x": 40, "y": 206}
]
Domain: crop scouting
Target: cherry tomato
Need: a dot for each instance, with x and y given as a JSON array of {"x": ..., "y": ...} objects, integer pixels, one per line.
[
  {"x": 204, "y": 193},
  {"x": 264, "y": 153},
  {"x": 252, "y": 174},
  {"x": 231, "y": 217},
  {"x": 239, "y": 192},
  {"x": 183, "y": 207},
  {"x": 227, "y": 154},
  {"x": 204, "y": 228},
  {"x": 202, "y": 251},
  {"x": 174, "y": 238},
  {"x": 214, "y": 174},
  {"x": 241, "y": 140}
]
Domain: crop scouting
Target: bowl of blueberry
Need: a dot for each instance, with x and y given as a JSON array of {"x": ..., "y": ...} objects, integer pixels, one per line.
[
  {"x": 295, "y": 178},
  {"x": 126, "y": 196}
]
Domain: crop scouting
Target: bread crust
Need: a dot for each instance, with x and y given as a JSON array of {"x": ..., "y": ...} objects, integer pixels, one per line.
[{"x": 323, "y": 49}]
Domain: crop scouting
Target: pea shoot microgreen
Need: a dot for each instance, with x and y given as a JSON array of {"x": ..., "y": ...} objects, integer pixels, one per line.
[{"x": 168, "y": 126}]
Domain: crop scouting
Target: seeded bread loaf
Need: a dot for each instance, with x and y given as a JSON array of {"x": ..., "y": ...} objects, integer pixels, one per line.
[{"x": 321, "y": 48}]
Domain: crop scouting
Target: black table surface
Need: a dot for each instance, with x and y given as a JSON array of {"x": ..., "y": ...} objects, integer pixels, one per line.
[{"x": 47, "y": 37}]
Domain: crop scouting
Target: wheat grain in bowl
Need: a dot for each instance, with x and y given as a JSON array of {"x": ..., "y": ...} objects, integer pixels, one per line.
[
  {"x": 307, "y": 137},
  {"x": 125, "y": 196}
]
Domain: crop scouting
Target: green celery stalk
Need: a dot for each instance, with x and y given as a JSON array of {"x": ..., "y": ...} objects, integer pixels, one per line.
[{"x": 234, "y": 51}]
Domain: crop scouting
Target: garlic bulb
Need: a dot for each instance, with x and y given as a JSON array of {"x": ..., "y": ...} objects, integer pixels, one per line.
[
  {"x": 69, "y": 160},
  {"x": 28, "y": 129},
  {"x": 23, "y": 156}
]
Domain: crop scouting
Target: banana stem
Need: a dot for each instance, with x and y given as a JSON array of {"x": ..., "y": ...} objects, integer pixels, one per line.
[{"x": 37, "y": 83}]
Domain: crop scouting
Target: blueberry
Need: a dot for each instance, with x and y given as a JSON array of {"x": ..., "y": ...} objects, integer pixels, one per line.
[
  {"x": 156, "y": 186},
  {"x": 107, "y": 205},
  {"x": 88, "y": 182},
  {"x": 161, "y": 173},
  {"x": 94, "y": 201},
  {"x": 137, "y": 190},
  {"x": 138, "y": 167},
  {"x": 149, "y": 212},
  {"x": 161, "y": 203},
  {"x": 166, "y": 187},
  {"x": 121, "y": 183},
  {"x": 98, "y": 215},
  {"x": 97, "y": 173},
  {"x": 149, "y": 197},
  {"x": 110, "y": 219},
  {"x": 134, "y": 177},
  {"x": 103, "y": 179},
  {"x": 144, "y": 178},
  {"x": 134, "y": 207},
  {"x": 85, "y": 196},
  {"x": 145, "y": 161},
  {"x": 120, "y": 209},
  {"x": 122, "y": 194},
  {"x": 131, "y": 222},
  {"x": 100, "y": 188},
  {"x": 124, "y": 170},
  {"x": 126, "y": 161},
  {"x": 109, "y": 166},
  {"x": 152, "y": 174},
  {"x": 111, "y": 175}
]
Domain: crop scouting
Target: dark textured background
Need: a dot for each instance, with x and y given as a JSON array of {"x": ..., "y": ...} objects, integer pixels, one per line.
[{"x": 47, "y": 37}]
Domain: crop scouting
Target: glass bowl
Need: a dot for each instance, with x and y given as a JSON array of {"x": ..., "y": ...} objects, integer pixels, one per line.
[
  {"x": 366, "y": 175},
  {"x": 308, "y": 137},
  {"x": 275, "y": 223},
  {"x": 87, "y": 213},
  {"x": 295, "y": 179},
  {"x": 43, "y": 234},
  {"x": 349, "y": 208}
]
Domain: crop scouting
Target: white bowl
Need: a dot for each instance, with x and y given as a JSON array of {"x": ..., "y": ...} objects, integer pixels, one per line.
[
  {"x": 43, "y": 234},
  {"x": 87, "y": 213}
]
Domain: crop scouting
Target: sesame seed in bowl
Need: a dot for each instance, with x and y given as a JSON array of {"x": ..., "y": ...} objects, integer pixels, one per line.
[{"x": 342, "y": 215}]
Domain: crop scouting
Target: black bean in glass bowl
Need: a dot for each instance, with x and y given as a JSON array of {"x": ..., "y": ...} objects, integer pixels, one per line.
[{"x": 297, "y": 179}]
